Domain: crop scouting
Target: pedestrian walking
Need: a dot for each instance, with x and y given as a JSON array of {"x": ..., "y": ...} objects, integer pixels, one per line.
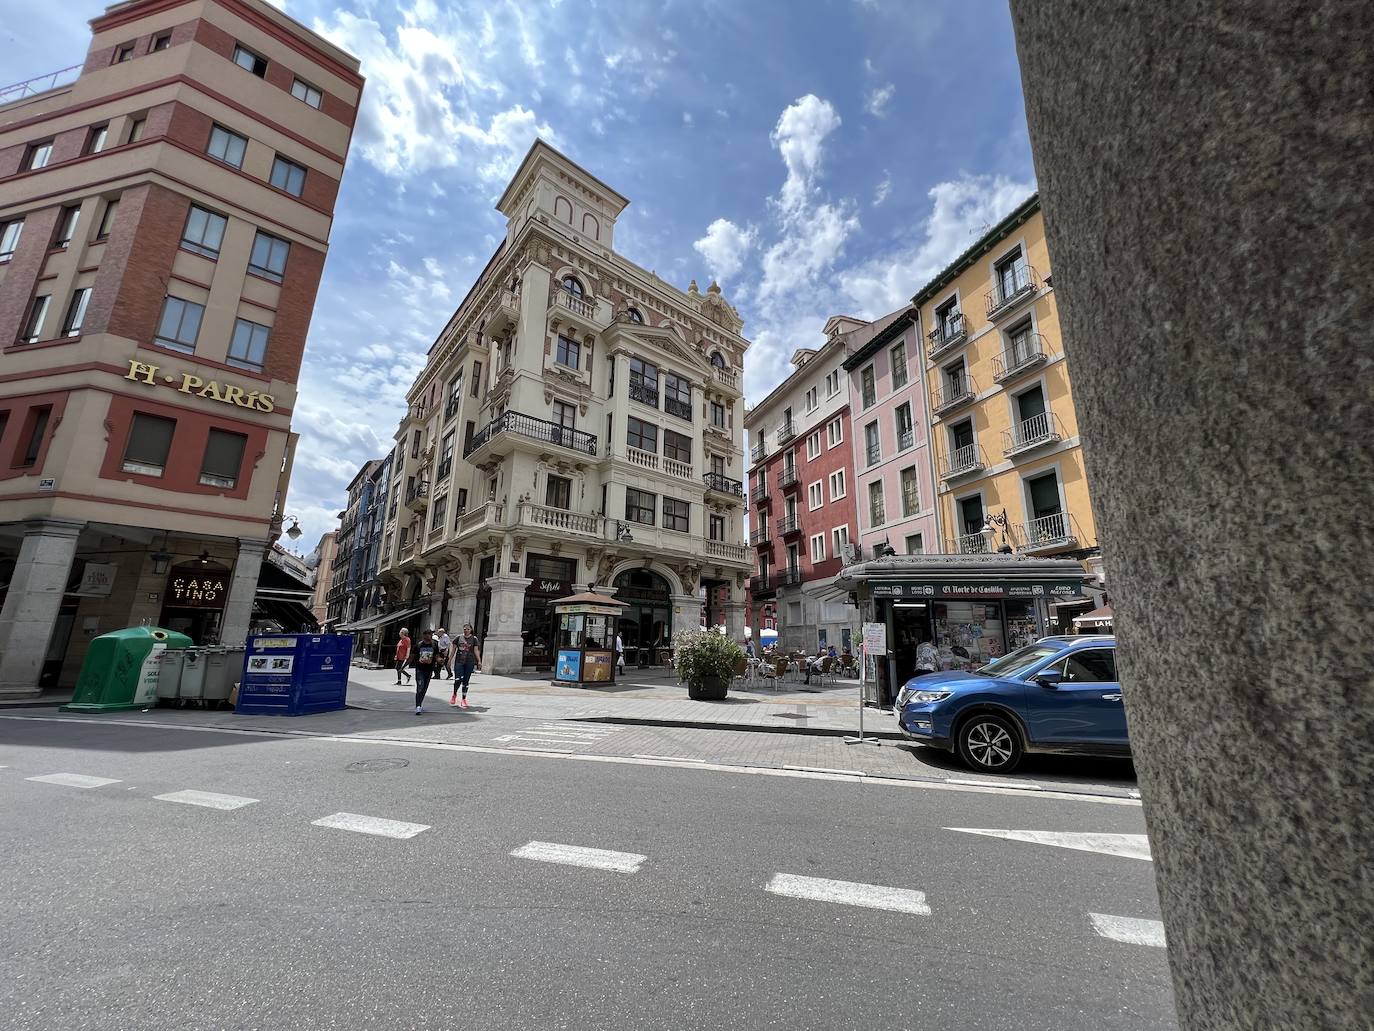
[
  {"x": 403, "y": 655},
  {"x": 619, "y": 655},
  {"x": 445, "y": 647},
  {"x": 927, "y": 658},
  {"x": 466, "y": 657},
  {"x": 424, "y": 657}
]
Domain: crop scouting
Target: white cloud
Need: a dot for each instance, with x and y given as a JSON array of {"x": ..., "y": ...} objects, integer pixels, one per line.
[
  {"x": 809, "y": 246},
  {"x": 799, "y": 136},
  {"x": 687, "y": 119},
  {"x": 724, "y": 247},
  {"x": 880, "y": 193},
  {"x": 878, "y": 99}
]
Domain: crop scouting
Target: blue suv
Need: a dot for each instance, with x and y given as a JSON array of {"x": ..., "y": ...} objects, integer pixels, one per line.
[{"x": 1060, "y": 694}]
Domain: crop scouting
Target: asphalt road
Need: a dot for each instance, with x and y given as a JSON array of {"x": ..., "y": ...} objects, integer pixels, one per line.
[{"x": 126, "y": 911}]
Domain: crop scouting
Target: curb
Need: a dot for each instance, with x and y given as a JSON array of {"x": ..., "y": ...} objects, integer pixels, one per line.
[{"x": 753, "y": 728}]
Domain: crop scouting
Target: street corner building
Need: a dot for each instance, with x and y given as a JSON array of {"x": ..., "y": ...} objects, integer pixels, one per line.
[
  {"x": 578, "y": 422},
  {"x": 165, "y": 209}
]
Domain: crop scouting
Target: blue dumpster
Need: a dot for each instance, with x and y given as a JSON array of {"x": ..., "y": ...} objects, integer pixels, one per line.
[{"x": 294, "y": 674}]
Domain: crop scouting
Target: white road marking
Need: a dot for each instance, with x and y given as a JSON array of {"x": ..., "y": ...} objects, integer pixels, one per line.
[
  {"x": 1027, "y": 785},
  {"x": 849, "y": 893},
  {"x": 371, "y": 825},
  {"x": 576, "y": 855},
  {"x": 825, "y": 769},
  {"x": 207, "y": 799},
  {"x": 668, "y": 758},
  {"x": 1132, "y": 846},
  {"x": 73, "y": 780},
  {"x": 1129, "y": 929}
]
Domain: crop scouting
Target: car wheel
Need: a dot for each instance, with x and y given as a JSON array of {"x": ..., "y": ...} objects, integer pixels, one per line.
[{"x": 989, "y": 744}]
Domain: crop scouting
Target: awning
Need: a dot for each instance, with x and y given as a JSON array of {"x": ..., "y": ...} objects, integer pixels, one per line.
[
  {"x": 1097, "y": 617},
  {"x": 372, "y": 622},
  {"x": 292, "y": 615}
]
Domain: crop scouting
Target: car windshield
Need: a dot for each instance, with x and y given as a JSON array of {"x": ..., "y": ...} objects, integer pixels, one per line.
[{"x": 1013, "y": 664}]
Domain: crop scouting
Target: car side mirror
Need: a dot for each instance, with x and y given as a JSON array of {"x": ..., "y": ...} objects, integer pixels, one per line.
[{"x": 1049, "y": 678}]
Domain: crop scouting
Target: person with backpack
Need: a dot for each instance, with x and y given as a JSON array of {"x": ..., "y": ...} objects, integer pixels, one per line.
[
  {"x": 466, "y": 656},
  {"x": 424, "y": 658},
  {"x": 403, "y": 655}
]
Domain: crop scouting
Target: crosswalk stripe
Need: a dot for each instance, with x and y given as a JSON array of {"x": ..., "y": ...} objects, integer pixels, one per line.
[
  {"x": 576, "y": 855},
  {"x": 73, "y": 780},
  {"x": 207, "y": 799},
  {"x": 1129, "y": 929},
  {"x": 1132, "y": 846},
  {"x": 849, "y": 893},
  {"x": 371, "y": 825}
]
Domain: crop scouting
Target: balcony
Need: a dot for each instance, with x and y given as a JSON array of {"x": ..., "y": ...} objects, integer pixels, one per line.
[
  {"x": 726, "y": 378},
  {"x": 790, "y": 576},
  {"x": 417, "y": 497},
  {"x": 503, "y": 314},
  {"x": 561, "y": 300},
  {"x": 678, "y": 409},
  {"x": 945, "y": 337},
  {"x": 905, "y": 439},
  {"x": 1025, "y": 353},
  {"x": 405, "y": 550},
  {"x": 644, "y": 392},
  {"x": 722, "y": 484},
  {"x": 757, "y": 451},
  {"x": 873, "y": 453},
  {"x": 39, "y": 84},
  {"x": 964, "y": 461},
  {"x": 517, "y": 425},
  {"x": 760, "y": 495},
  {"x": 1048, "y": 533},
  {"x": 970, "y": 544},
  {"x": 788, "y": 525},
  {"x": 561, "y": 522},
  {"x": 1010, "y": 289},
  {"x": 787, "y": 431},
  {"x": 727, "y": 551},
  {"x": 788, "y": 478},
  {"x": 956, "y": 392},
  {"x": 762, "y": 585},
  {"x": 488, "y": 515},
  {"x": 1032, "y": 433},
  {"x": 649, "y": 460},
  {"x": 761, "y": 536}
]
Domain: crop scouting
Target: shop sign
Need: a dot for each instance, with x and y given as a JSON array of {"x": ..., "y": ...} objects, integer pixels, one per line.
[
  {"x": 875, "y": 638},
  {"x": 197, "y": 590},
  {"x": 97, "y": 580},
  {"x": 588, "y": 610},
  {"x": 186, "y": 383},
  {"x": 549, "y": 588},
  {"x": 569, "y": 665},
  {"x": 596, "y": 667},
  {"x": 975, "y": 589}
]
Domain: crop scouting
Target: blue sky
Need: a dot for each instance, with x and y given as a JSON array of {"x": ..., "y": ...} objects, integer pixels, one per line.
[{"x": 817, "y": 157}]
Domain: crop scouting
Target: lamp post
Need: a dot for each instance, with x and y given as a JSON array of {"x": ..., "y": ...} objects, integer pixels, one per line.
[{"x": 991, "y": 525}]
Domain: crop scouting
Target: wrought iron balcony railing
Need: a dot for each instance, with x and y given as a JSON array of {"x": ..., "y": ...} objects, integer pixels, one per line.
[
  {"x": 950, "y": 333},
  {"x": 1037, "y": 431},
  {"x": 787, "y": 431},
  {"x": 962, "y": 462},
  {"x": 644, "y": 392},
  {"x": 1025, "y": 353},
  {"x": 1010, "y": 288},
  {"x": 1048, "y": 532},
  {"x": 788, "y": 525},
  {"x": 787, "y": 478},
  {"x": 955, "y": 392},
  {"x": 528, "y": 426},
  {"x": 722, "y": 484}
]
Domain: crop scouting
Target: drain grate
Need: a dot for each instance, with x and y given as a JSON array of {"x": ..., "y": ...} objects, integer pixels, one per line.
[{"x": 377, "y": 765}]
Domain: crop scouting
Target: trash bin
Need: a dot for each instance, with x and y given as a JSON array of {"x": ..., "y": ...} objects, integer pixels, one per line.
[
  {"x": 169, "y": 675},
  {"x": 294, "y": 674},
  {"x": 193, "y": 675},
  {"x": 222, "y": 667},
  {"x": 123, "y": 669}
]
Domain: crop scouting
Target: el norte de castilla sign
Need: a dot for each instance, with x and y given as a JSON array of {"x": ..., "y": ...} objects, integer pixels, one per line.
[{"x": 186, "y": 383}]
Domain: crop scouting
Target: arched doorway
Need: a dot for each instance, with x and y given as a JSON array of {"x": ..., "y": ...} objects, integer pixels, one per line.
[{"x": 646, "y": 627}]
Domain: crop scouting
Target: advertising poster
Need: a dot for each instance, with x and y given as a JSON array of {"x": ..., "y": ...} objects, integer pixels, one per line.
[
  {"x": 270, "y": 663},
  {"x": 597, "y": 668},
  {"x": 569, "y": 666},
  {"x": 146, "y": 691}
]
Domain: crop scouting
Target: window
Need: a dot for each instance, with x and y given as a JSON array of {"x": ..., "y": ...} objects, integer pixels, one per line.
[
  {"x": 818, "y": 547},
  {"x": 564, "y": 414},
  {"x": 868, "y": 387},
  {"x": 269, "y": 256},
  {"x": 839, "y": 539},
  {"x": 180, "y": 324},
  {"x": 9, "y": 238},
  {"x": 813, "y": 399},
  {"x": 204, "y": 232},
  {"x": 462, "y": 505},
  {"x": 717, "y": 465},
  {"x": 446, "y": 453},
  {"x": 288, "y": 176},
  {"x": 634, "y": 316},
  {"x": 873, "y": 449},
  {"x": 899, "y": 374},
  {"x": 1020, "y": 344},
  {"x": 76, "y": 312},
  {"x": 643, "y": 382},
  {"x": 571, "y": 284},
  {"x": 223, "y": 459},
  {"x": 150, "y": 441},
  {"x": 911, "y": 492},
  {"x": 834, "y": 433},
  {"x": 440, "y": 514},
  {"x": 641, "y": 434},
  {"x": 569, "y": 353},
  {"x": 717, "y": 414},
  {"x": 906, "y": 434},
  {"x": 95, "y": 142},
  {"x": 248, "y": 347},
  {"x": 102, "y": 231},
  {"x": 815, "y": 495},
  {"x": 66, "y": 226},
  {"x": 161, "y": 42},
  {"x": 250, "y": 62},
  {"x": 33, "y": 325},
  {"x": 1044, "y": 496},
  {"x": 1011, "y": 275},
  {"x": 640, "y": 506},
  {"x": 915, "y": 545},
  {"x": 718, "y": 359},
  {"x": 677, "y": 446},
  {"x": 40, "y": 417},
  {"x": 877, "y": 511},
  {"x": 38, "y": 156},
  {"x": 1094, "y": 666},
  {"x": 677, "y": 396},
  {"x": 305, "y": 93},
  {"x": 135, "y": 130},
  {"x": 558, "y": 492},
  {"x": 832, "y": 383},
  {"x": 813, "y": 445},
  {"x": 227, "y": 146},
  {"x": 717, "y": 528},
  {"x": 675, "y": 514},
  {"x": 123, "y": 53},
  {"x": 837, "y": 485}
]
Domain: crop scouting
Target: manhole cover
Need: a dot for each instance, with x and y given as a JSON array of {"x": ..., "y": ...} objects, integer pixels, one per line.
[
  {"x": 377, "y": 765},
  {"x": 789, "y": 716}
]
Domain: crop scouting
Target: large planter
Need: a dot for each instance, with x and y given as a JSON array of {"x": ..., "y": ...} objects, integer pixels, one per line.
[{"x": 708, "y": 689}]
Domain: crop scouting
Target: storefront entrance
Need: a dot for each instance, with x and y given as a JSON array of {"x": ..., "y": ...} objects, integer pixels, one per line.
[
  {"x": 550, "y": 578},
  {"x": 646, "y": 626}
]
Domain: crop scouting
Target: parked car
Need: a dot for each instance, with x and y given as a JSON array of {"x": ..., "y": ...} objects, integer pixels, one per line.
[{"x": 1059, "y": 694}]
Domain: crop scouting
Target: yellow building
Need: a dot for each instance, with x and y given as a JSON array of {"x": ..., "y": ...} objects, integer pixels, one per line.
[{"x": 1009, "y": 465}]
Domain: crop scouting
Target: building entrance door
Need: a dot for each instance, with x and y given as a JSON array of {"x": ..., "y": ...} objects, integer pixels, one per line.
[{"x": 646, "y": 627}]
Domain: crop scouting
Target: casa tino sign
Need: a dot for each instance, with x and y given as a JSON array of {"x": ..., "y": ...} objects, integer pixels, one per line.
[{"x": 186, "y": 383}]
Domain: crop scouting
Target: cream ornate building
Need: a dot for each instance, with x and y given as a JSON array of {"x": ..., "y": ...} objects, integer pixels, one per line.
[{"x": 578, "y": 421}]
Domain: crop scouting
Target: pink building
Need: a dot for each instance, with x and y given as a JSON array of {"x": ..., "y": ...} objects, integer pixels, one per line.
[{"x": 893, "y": 462}]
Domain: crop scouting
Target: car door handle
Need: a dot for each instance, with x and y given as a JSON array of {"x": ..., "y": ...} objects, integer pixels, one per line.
[{"x": 1113, "y": 697}]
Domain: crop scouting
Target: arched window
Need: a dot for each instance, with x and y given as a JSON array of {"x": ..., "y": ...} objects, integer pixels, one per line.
[
  {"x": 571, "y": 285},
  {"x": 635, "y": 317},
  {"x": 717, "y": 359}
]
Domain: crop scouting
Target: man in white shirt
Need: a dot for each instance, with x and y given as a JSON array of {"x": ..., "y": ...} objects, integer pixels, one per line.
[{"x": 445, "y": 646}]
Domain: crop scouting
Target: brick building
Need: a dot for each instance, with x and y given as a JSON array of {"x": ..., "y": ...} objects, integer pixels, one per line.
[{"x": 164, "y": 215}]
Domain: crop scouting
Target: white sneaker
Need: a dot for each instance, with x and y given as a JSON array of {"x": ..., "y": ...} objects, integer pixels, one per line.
[{"x": 419, "y": 709}]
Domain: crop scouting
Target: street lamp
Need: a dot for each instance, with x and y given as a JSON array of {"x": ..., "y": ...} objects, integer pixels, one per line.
[
  {"x": 991, "y": 525},
  {"x": 161, "y": 558},
  {"x": 294, "y": 531}
]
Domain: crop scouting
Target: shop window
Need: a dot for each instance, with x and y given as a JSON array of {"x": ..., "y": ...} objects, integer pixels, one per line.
[
  {"x": 223, "y": 458},
  {"x": 150, "y": 441}
]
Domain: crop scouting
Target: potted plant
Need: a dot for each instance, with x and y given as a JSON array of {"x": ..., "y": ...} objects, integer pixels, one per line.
[{"x": 706, "y": 660}]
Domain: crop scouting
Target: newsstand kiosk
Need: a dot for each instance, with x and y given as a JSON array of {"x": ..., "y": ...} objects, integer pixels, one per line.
[{"x": 586, "y": 638}]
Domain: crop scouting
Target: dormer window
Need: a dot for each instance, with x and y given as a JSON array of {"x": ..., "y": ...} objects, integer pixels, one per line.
[
  {"x": 633, "y": 314},
  {"x": 572, "y": 285}
]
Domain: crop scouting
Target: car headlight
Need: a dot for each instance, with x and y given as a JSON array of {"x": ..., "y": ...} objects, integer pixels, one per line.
[{"x": 928, "y": 696}]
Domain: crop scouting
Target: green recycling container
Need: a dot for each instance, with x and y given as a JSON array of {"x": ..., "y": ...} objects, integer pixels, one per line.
[{"x": 122, "y": 668}]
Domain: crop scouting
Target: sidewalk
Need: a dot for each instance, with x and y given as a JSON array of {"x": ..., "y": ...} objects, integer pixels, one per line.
[{"x": 644, "y": 697}]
